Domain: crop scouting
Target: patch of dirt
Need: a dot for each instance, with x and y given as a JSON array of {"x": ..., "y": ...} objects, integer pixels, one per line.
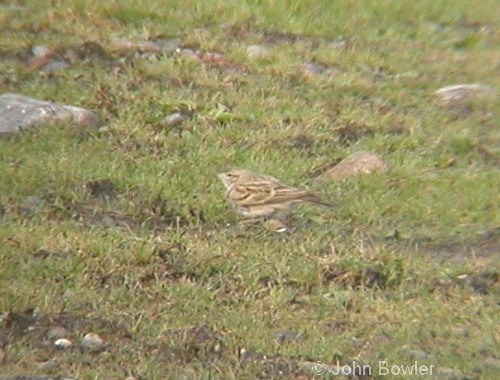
[
  {"x": 199, "y": 342},
  {"x": 352, "y": 132},
  {"x": 104, "y": 208},
  {"x": 36, "y": 333},
  {"x": 301, "y": 142},
  {"x": 35, "y": 329},
  {"x": 212, "y": 58},
  {"x": 157, "y": 215},
  {"x": 483, "y": 248},
  {"x": 272, "y": 366},
  {"x": 485, "y": 282},
  {"x": 70, "y": 55},
  {"x": 487, "y": 155},
  {"x": 319, "y": 170},
  {"x": 372, "y": 275},
  {"x": 103, "y": 188}
]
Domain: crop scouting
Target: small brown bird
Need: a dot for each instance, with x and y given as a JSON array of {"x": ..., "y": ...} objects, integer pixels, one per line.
[{"x": 253, "y": 195}]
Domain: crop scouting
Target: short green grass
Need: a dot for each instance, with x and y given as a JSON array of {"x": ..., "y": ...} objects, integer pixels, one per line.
[{"x": 165, "y": 272}]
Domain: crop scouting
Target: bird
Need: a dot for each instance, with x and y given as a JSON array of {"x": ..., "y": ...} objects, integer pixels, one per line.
[{"x": 259, "y": 196}]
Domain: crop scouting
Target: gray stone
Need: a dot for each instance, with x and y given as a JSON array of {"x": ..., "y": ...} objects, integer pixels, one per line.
[
  {"x": 93, "y": 342},
  {"x": 168, "y": 44},
  {"x": 286, "y": 336},
  {"x": 18, "y": 112},
  {"x": 57, "y": 332},
  {"x": 312, "y": 69},
  {"x": 41, "y": 51},
  {"x": 33, "y": 202},
  {"x": 490, "y": 361},
  {"x": 449, "y": 374},
  {"x": 258, "y": 51},
  {"x": 160, "y": 45},
  {"x": 54, "y": 66},
  {"x": 173, "y": 120},
  {"x": 30, "y": 205},
  {"x": 460, "y": 94}
]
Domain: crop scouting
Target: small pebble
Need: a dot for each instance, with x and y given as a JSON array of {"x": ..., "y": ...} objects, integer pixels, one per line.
[
  {"x": 68, "y": 294},
  {"x": 276, "y": 225},
  {"x": 285, "y": 336},
  {"x": 47, "y": 366},
  {"x": 419, "y": 355},
  {"x": 33, "y": 202},
  {"x": 168, "y": 45},
  {"x": 54, "y": 66},
  {"x": 41, "y": 51},
  {"x": 258, "y": 51},
  {"x": 491, "y": 361},
  {"x": 92, "y": 342},
  {"x": 312, "y": 69},
  {"x": 173, "y": 120},
  {"x": 449, "y": 374},
  {"x": 57, "y": 332},
  {"x": 63, "y": 343}
]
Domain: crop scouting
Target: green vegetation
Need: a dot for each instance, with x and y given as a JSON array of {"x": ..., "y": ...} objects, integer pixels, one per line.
[{"x": 134, "y": 240}]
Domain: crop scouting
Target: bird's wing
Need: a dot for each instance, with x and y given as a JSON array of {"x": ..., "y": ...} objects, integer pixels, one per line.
[
  {"x": 290, "y": 194},
  {"x": 268, "y": 193},
  {"x": 252, "y": 194}
]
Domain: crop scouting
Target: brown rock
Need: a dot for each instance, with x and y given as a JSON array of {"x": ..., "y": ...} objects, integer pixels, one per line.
[{"x": 358, "y": 163}]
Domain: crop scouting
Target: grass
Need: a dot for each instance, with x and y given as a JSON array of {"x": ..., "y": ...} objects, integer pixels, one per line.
[{"x": 134, "y": 240}]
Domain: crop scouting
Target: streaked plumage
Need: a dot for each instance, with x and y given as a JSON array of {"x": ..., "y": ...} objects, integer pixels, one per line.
[{"x": 254, "y": 195}]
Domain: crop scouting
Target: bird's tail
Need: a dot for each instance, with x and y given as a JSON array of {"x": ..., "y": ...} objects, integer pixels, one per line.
[{"x": 313, "y": 198}]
